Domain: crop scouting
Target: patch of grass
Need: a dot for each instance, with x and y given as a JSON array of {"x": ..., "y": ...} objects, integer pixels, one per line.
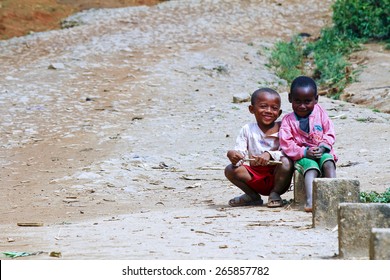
[
  {"x": 361, "y": 119},
  {"x": 330, "y": 54},
  {"x": 326, "y": 59},
  {"x": 65, "y": 24},
  {"x": 375, "y": 197},
  {"x": 221, "y": 69},
  {"x": 368, "y": 119},
  {"x": 362, "y": 18},
  {"x": 387, "y": 44},
  {"x": 286, "y": 59},
  {"x": 333, "y": 41}
]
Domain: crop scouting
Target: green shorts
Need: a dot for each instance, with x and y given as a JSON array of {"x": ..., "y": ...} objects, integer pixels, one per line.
[{"x": 305, "y": 164}]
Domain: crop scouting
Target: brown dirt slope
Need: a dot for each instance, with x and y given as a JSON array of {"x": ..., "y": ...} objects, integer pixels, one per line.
[{"x": 21, "y": 17}]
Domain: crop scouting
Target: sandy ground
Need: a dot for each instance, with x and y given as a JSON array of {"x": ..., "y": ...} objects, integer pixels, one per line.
[{"x": 115, "y": 132}]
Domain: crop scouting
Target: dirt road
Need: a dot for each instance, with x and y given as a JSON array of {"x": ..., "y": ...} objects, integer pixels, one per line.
[{"x": 114, "y": 134}]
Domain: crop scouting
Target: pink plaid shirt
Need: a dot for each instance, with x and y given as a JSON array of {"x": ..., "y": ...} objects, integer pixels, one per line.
[{"x": 294, "y": 141}]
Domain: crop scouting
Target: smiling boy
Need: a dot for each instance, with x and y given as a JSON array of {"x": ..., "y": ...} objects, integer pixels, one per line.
[{"x": 258, "y": 143}]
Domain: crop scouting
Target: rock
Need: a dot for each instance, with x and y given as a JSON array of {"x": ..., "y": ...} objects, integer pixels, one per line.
[
  {"x": 327, "y": 194},
  {"x": 355, "y": 222},
  {"x": 241, "y": 97},
  {"x": 55, "y": 66},
  {"x": 380, "y": 244}
]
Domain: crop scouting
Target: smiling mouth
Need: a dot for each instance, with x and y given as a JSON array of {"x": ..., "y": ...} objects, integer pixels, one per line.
[{"x": 268, "y": 117}]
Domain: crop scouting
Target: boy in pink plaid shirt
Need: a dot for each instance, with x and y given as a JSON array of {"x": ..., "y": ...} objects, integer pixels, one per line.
[{"x": 307, "y": 135}]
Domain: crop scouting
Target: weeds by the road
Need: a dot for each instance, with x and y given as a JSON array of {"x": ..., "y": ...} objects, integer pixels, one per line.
[
  {"x": 326, "y": 58},
  {"x": 375, "y": 197}
]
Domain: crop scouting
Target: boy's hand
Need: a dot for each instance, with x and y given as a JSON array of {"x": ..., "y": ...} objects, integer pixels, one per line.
[
  {"x": 261, "y": 160},
  {"x": 234, "y": 156},
  {"x": 315, "y": 152}
]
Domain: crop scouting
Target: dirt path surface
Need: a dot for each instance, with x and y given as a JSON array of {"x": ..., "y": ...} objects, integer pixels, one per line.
[{"x": 114, "y": 134}]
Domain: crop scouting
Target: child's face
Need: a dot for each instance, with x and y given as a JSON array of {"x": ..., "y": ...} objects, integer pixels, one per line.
[
  {"x": 266, "y": 109},
  {"x": 303, "y": 100}
]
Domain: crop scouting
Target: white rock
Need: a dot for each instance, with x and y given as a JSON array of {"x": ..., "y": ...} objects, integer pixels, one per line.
[{"x": 241, "y": 97}]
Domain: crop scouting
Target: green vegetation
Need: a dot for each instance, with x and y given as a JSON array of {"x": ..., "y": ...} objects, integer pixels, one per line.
[
  {"x": 69, "y": 24},
  {"x": 362, "y": 119},
  {"x": 375, "y": 197},
  {"x": 286, "y": 58},
  {"x": 367, "y": 19},
  {"x": 330, "y": 54},
  {"x": 221, "y": 69},
  {"x": 326, "y": 59}
]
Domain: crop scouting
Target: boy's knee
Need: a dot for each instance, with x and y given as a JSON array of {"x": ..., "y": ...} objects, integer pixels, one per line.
[
  {"x": 287, "y": 163},
  {"x": 229, "y": 171},
  {"x": 329, "y": 165}
]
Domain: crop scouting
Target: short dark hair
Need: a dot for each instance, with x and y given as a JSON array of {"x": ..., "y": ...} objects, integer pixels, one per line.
[
  {"x": 260, "y": 90},
  {"x": 303, "y": 81}
]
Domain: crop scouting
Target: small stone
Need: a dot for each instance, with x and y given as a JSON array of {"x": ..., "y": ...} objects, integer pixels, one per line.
[
  {"x": 56, "y": 66},
  {"x": 55, "y": 254},
  {"x": 241, "y": 97}
]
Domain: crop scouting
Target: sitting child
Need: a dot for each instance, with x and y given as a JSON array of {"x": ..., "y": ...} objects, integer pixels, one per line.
[
  {"x": 258, "y": 143},
  {"x": 307, "y": 135}
]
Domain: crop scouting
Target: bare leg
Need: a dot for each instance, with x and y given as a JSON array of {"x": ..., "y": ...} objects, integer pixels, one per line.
[
  {"x": 238, "y": 176},
  {"x": 310, "y": 175},
  {"x": 329, "y": 169},
  {"x": 283, "y": 176}
]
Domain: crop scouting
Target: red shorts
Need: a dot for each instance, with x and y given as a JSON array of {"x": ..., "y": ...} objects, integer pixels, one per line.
[{"x": 262, "y": 178}]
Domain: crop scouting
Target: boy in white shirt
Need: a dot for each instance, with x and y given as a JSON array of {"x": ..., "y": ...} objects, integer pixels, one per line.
[{"x": 258, "y": 143}]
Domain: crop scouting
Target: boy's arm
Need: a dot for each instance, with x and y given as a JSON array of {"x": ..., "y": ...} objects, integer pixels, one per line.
[
  {"x": 234, "y": 156},
  {"x": 240, "y": 150},
  {"x": 242, "y": 142},
  {"x": 329, "y": 135}
]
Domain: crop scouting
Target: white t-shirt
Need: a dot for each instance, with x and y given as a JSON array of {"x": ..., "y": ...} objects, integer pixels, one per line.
[{"x": 252, "y": 141}]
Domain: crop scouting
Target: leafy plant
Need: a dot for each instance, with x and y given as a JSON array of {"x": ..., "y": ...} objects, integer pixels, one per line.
[
  {"x": 362, "y": 18},
  {"x": 286, "y": 58},
  {"x": 387, "y": 44},
  {"x": 326, "y": 59},
  {"x": 333, "y": 41},
  {"x": 375, "y": 197}
]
